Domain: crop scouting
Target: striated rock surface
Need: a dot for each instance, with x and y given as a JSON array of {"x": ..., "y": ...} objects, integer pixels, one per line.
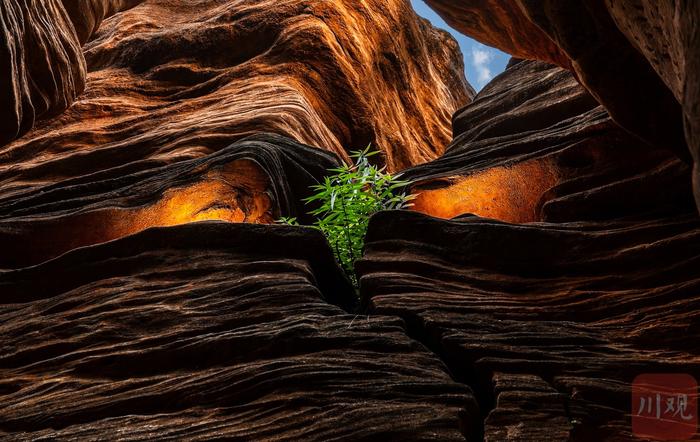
[
  {"x": 87, "y": 15},
  {"x": 256, "y": 180},
  {"x": 549, "y": 322},
  {"x": 535, "y": 146},
  {"x": 174, "y": 81},
  {"x": 142, "y": 299},
  {"x": 42, "y": 69},
  {"x": 131, "y": 340},
  {"x": 638, "y": 59}
]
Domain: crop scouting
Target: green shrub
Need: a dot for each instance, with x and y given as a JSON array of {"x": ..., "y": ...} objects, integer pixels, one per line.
[{"x": 346, "y": 200}]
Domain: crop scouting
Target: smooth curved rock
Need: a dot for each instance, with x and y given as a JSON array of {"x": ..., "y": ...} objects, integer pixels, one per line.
[
  {"x": 672, "y": 50},
  {"x": 613, "y": 70},
  {"x": 503, "y": 24},
  {"x": 42, "y": 69}
]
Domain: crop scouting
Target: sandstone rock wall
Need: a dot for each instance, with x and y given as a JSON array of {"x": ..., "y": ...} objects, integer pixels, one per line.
[
  {"x": 177, "y": 81},
  {"x": 638, "y": 58},
  {"x": 256, "y": 180},
  {"x": 42, "y": 69},
  {"x": 550, "y": 321},
  {"x": 556, "y": 257},
  {"x": 134, "y": 339}
]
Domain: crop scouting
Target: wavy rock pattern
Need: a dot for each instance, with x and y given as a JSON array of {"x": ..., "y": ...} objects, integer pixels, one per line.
[
  {"x": 174, "y": 81},
  {"x": 87, "y": 15},
  {"x": 42, "y": 69},
  {"x": 638, "y": 59},
  {"x": 548, "y": 322},
  {"x": 535, "y": 146},
  {"x": 120, "y": 317},
  {"x": 255, "y": 180},
  {"x": 137, "y": 342}
]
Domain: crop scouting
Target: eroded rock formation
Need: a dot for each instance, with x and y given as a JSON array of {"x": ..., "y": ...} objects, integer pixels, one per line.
[
  {"x": 211, "y": 331},
  {"x": 255, "y": 180},
  {"x": 140, "y": 296},
  {"x": 549, "y": 322},
  {"x": 535, "y": 146},
  {"x": 42, "y": 68},
  {"x": 176, "y": 81},
  {"x": 87, "y": 15},
  {"x": 638, "y": 58}
]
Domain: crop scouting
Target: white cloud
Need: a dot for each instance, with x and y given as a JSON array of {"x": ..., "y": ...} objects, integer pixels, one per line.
[{"x": 481, "y": 60}]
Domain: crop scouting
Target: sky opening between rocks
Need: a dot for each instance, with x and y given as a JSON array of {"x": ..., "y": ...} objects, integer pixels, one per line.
[{"x": 481, "y": 62}]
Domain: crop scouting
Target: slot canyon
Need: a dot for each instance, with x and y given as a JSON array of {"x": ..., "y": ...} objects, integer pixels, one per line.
[{"x": 551, "y": 256}]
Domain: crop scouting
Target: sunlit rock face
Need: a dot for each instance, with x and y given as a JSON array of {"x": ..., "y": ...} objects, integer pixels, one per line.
[
  {"x": 144, "y": 293},
  {"x": 637, "y": 58},
  {"x": 175, "y": 81}
]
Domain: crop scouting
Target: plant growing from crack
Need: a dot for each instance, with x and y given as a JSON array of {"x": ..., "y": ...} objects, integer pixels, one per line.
[{"x": 347, "y": 199}]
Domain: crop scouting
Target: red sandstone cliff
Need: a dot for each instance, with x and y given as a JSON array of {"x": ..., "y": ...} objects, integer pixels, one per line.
[{"x": 551, "y": 257}]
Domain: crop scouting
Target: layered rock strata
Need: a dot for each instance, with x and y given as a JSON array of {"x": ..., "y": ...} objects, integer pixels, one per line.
[
  {"x": 560, "y": 261},
  {"x": 638, "y": 58},
  {"x": 549, "y": 321},
  {"x": 256, "y": 180},
  {"x": 176, "y": 81},
  {"x": 211, "y": 330}
]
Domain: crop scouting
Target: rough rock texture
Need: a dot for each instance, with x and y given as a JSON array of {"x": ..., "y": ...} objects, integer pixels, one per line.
[
  {"x": 176, "y": 81},
  {"x": 534, "y": 145},
  {"x": 129, "y": 339},
  {"x": 638, "y": 58},
  {"x": 42, "y": 68},
  {"x": 667, "y": 33},
  {"x": 548, "y": 322},
  {"x": 87, "y": 15},
  {"x": 562, "y": 259},
  {"x": 255, "y": 180}
]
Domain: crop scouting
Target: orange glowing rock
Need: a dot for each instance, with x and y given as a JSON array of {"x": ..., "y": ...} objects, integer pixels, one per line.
[
  {"x": 235, "y": 192},
  {"x": 508, "y": 193}
]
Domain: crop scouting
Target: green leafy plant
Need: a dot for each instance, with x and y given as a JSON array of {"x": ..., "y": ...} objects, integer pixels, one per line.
[{"x": 346, "y": 200}]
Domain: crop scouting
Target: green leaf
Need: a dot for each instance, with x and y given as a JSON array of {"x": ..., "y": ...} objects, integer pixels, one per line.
[{"x": 345, "y": 200}]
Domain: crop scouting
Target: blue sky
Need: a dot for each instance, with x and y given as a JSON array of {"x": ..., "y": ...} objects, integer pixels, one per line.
[{"x": 481, "y": 62}]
